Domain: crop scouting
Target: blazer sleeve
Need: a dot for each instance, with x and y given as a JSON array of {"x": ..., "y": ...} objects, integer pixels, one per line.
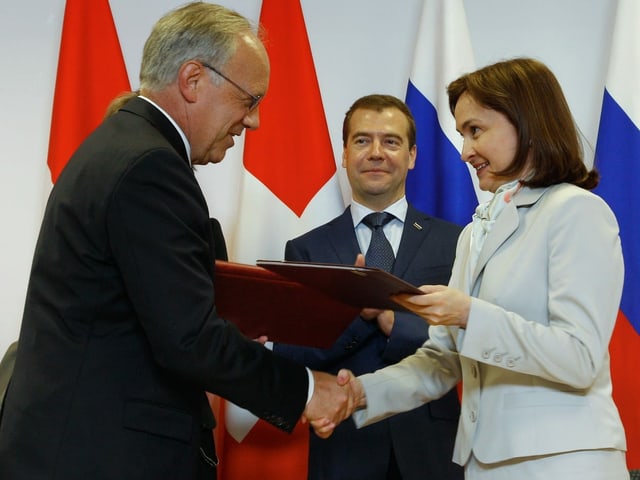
[{"x": 419, "y": 378}]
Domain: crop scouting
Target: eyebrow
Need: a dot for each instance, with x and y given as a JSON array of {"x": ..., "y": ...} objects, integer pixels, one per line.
[
  {"x": 372, "y": 134},
  {"x": 465, "y": 125}
]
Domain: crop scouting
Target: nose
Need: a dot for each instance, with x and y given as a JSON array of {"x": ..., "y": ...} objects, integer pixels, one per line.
[
  {"x": 251, "y": 120},
  {"x": 467, "y": 150},
  {"x": 376, "y": 149}
]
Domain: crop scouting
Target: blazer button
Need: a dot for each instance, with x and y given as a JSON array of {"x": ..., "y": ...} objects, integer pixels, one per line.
[
  {"x": 511, "y": 362},
  {"x": 486, "y": 354},
  {"x": 497, "y": 358}
]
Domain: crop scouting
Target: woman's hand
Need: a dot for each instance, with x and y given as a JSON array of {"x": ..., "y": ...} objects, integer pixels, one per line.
[{"x": 438, "y": 305}]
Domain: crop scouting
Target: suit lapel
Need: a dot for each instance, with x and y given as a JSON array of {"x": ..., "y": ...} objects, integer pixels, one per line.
[
  {"x": 342, "y": 236},
  {"x": 414, "y": 232},
  {"x": 506, "y": 223}
]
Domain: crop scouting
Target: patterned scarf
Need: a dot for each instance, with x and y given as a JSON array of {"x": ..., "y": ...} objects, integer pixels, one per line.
[{"x": 485, "y": 217}]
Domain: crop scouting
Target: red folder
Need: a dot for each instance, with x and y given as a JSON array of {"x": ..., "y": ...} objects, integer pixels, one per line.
[
  {"x": 261, "y": 302},
  {"x": 357, "y": 286}
]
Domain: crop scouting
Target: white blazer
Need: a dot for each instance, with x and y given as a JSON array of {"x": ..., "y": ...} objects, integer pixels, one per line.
[{"x": 534, "y": 358}]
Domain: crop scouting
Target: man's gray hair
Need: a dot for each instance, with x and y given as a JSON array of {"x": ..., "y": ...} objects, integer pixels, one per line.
[{"x": 197, "y": 31}]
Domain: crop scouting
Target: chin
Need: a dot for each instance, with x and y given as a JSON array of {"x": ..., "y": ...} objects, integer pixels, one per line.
[{"x": 215, "y": 157}]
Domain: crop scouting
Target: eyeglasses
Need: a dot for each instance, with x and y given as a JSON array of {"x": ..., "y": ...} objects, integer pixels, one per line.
[{"x": 255, "y": 99}]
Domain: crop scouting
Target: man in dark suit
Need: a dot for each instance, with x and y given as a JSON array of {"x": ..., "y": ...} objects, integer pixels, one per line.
[
  {"x": 379, "y": 148},
  {"x": 120, "y": 337}
]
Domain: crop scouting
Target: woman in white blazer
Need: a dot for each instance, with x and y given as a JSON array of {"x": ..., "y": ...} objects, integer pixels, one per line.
[{"x": 526, "y": 320}]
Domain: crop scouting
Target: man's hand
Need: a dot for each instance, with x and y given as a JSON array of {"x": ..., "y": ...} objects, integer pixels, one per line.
[
  {"x": 386, "y": 318},
  {"x": 346, "y": 377},
  {"x": 334, "y": 399}
]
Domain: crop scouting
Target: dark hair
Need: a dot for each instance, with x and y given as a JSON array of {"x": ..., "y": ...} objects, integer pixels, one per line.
[
  {"x": 378, "y": 103},
  {"x": 529, "y": 95}
]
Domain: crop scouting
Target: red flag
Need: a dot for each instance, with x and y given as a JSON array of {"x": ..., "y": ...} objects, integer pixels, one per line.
[
  {"x": 290, "y": 185},
  {"x": 289, "y": 152},
  {"x": 624, "y": 348},
  {"x": 91, "y": 72},
  {"x": 265, "y": 453}
]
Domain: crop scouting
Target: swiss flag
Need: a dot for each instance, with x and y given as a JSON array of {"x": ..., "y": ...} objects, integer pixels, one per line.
[
  {"x": 91, "y": 72},
  {"x": 289, "y": 186},
  {"x": 289, "y": 182}
]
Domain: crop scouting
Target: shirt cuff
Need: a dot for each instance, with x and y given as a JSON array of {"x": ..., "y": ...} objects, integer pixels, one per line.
[{"x": 312, "y": 384}]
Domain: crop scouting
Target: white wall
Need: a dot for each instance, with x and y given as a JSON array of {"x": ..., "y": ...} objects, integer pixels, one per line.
[{"x": 359, "y": 47}]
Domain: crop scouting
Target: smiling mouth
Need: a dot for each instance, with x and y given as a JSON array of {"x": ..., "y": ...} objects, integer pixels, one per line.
[{"x": 480, "y": 167}]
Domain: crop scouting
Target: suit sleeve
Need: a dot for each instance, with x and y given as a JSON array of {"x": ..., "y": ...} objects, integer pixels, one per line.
[
  {"x": 409, "y": 332},
  {"x": 330, "y": 359},
  {"x": 161, "y": 239}
]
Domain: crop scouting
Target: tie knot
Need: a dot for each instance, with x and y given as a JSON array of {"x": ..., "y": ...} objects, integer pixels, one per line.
[{"x": 377, "y": 219}]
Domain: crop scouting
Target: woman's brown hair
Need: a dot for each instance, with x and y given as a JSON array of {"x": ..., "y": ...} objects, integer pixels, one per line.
[{"x": 529, "y": 95}]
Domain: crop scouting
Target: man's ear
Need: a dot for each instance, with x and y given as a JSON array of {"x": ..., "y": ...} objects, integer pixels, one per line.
[
  {"x": 413, "y": 153},
  {"x": 190, "y": 75}
]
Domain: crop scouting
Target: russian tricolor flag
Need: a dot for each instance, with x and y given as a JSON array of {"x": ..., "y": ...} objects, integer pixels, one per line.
[
  {"x": 618, "y": 160},
  {"x": 440, "y": 184}
]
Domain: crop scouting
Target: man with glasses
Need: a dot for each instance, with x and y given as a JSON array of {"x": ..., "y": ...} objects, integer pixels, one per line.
[
  {"x": 255, "y": 99},
  {"x": 120, "y": 337}
]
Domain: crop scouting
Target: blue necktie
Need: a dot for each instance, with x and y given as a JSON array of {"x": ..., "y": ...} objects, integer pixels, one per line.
[{"x": 380, "y": 253}]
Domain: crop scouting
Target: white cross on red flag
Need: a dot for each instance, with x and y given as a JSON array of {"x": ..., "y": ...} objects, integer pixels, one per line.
[
  {"x": 289, "y": 186},
  {"x": 289, "y": 183}
]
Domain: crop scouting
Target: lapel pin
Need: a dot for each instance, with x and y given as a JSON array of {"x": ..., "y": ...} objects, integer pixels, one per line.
[{"x": 417, "y": 225}]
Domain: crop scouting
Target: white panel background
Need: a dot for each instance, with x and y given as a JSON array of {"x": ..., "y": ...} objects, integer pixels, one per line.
[{"x": 359, "y": 47}]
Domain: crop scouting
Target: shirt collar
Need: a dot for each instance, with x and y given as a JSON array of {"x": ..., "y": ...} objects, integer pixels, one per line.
[
  {"x": 187, "y": 147},
  {"x": 397, "y": 209}
]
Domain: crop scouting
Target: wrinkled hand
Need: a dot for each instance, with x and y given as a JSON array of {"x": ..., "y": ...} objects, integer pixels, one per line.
[
  {"x": 439, "y": 305},
  {"x": 346, "y": 377},
  {"x": 261, "y": 339},
  {"x": 334, "y": 400}
]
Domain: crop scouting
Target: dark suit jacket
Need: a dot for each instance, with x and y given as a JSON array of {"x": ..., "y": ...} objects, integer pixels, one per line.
[
  {"x": 422, "y": 440},
  {"x": 120, "y": 336},
  {"x": 6, "y": 370}
]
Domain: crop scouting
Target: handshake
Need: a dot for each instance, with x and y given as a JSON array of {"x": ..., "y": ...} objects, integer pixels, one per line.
[{"x": 334, "y": 400}]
